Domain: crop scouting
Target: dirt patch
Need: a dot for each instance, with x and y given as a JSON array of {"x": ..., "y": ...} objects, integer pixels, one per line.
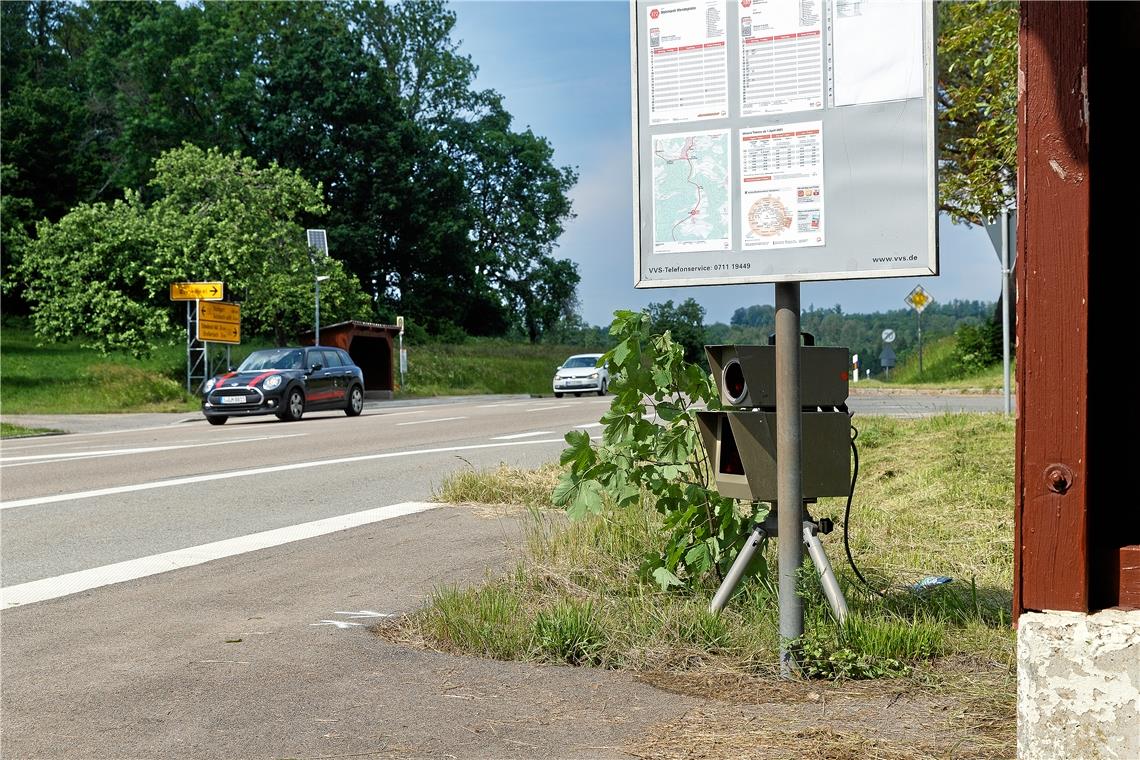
[{"x": 748, "y": 716}]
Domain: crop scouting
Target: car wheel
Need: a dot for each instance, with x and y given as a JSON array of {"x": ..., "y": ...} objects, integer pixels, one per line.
[
  {"x": 557, "y": 395},
  {"x": 217, "y": 420},
  {"x": 355, "y": 401},
  {"x": 602, "y": 390},
  {"x": 294, "y": 406}
]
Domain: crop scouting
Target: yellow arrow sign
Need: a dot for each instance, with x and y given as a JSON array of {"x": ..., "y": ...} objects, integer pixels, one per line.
[
  {"x": 219, "y": 332},
  {"x": 217, "y": 311},
  {"x": 197, "y": 291}
]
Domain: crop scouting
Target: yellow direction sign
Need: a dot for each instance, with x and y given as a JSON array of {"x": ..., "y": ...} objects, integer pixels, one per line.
[
  {"x": 197, "y": 291},
  {"x": 217, "y": 311},
  {"x": 919, "y": 299},
  {"x": 219, "y": 332}
]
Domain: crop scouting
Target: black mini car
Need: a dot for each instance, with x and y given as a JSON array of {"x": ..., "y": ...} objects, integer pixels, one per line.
[{"x": 286, "y": 382}]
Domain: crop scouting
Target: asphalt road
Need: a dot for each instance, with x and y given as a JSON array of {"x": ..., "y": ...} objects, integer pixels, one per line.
[{"x": 175, "y": 589}]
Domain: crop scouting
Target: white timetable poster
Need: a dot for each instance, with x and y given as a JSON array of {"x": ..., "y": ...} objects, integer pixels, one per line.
[
  {"x": 781, "y": 188},
  {"x": 781, "y": 56},
  {"x": 687, "y": 61},
  {"x": 877, "y": 57}
]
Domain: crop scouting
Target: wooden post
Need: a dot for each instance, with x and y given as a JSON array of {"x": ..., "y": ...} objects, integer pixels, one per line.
[{"x": 1051, "y": 563}]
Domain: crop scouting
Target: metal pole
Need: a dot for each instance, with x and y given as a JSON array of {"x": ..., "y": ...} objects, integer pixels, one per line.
[
  {"x": 400, "y": 360},
  {"x": 1005, "y": 309},
  {"x": 317, "y": 315},
  {"x": 189, "y": 346},
  {"x": 919, "y": 315},
  {"x": 789, "y": 456}
]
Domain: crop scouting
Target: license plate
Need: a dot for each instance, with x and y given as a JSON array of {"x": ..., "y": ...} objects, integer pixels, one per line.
[{"x": 233, "y": 399}]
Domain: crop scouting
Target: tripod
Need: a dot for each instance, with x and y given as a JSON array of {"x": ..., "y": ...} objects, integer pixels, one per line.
[{"x": 767, "y": 529}]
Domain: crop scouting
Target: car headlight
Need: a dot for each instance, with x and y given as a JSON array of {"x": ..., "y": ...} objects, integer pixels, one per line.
[
  {"x": 209, "y": 386},
  {"x": 271, "y": 382},
  {"x": 594, "y": 376}
]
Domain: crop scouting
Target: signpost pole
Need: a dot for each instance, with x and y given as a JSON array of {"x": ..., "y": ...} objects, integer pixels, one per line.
[
  {"x": 1005, "y": 309},
  {"x": 789, "y": 455},
  {"x": 918, "y": 313},
  {"x": 189, "y": 343}
]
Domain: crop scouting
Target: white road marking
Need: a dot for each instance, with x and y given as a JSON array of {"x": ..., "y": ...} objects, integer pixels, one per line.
[
  {"x": 84, "y": 580},
  {"x": 424, "y": 422},
  {"x": 589, "y": 425},
  {"x": 73, "y": 455},
  {"x": 397, "y": 414},
  {"x": 7, "y": 446},
  {"x": 366, "y": 614},
  {"x": 338, "y": 623},
  {"x": 504, "y": 403},
  {"x": 173, "y": 482},
  {"x": 522, "y": 435},
  {"x": 545, "y": 408}
]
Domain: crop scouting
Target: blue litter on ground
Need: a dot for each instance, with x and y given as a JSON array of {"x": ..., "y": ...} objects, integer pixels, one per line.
[{"x": 930, "y": 582}]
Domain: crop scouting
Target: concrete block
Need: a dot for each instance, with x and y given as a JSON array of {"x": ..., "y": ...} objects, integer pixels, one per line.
[{"x": 1078, "y": 685}]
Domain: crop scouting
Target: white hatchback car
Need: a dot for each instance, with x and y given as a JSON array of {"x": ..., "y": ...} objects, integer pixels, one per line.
[{"x": 581, "y": 374}]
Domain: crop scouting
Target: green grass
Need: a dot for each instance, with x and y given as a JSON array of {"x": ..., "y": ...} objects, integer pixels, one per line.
[
  {"x": 934, "y": 498},
  {"x": 939, "y": 370},
  {"x": 483, "y": 366},
  {"x": 8, "y": 430},
  {"x": 63, "y": 378}
]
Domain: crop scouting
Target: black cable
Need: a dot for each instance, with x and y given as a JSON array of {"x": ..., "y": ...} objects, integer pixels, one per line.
[{"x": 847, "y": 515}]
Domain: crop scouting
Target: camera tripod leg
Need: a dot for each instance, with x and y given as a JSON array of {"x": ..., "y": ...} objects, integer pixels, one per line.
[
  {"x": 737, "y": 570},
  {"x": 827, "y": 578}
]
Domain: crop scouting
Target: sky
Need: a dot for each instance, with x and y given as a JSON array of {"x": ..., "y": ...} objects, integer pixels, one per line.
[{"x": 563, "y": 68}]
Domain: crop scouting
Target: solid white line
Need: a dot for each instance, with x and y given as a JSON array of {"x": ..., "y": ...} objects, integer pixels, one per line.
[
  {"x": 589, "y": 425},
  {"x": 522, "y": 435},
  {"x": 424, "y": 422},
  {"x": 84, "y": 580},
  {"x": 70, "y": 455},
  {"x": 173, "y": 482}
]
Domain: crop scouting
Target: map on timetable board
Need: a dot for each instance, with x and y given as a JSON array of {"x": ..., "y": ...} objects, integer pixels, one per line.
[{"x": 691, "y": 204}]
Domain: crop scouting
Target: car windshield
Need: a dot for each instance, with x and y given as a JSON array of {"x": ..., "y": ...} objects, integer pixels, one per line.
[
  {"x": 577, "y": 362},
  {"x": 279, "y": 358}
]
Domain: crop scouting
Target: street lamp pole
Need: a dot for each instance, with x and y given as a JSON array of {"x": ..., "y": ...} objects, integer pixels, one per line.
[
  {"x": 318, "y": 246},
  {"x": 317, "y": 314}
]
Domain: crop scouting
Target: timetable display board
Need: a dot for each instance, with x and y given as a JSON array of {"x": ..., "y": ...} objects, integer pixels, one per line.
[{"x": 783, "y": 140}]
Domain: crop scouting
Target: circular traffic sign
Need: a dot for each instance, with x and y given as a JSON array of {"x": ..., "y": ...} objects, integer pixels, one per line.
[{"x": 888, "y": 336}]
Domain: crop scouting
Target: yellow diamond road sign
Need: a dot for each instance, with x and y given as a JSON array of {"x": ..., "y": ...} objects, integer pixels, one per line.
[
  {"x": 197, "y": 291},
  {"x": 919, "y": 299}
]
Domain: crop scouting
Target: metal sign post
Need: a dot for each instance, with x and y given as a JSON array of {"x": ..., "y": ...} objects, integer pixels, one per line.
[
  {"x": 789, "y": 473},
  {"x": 1005, "y": 220},
  {"x": 918, "y": 299},
  {"x": 403, "y": 356}
]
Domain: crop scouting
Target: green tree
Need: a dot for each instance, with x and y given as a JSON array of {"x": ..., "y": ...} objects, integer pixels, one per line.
[
  {"x": 102, "y": 273},
  {"x": 684, "y": 323},
  {"x": 977, "y": 107}
]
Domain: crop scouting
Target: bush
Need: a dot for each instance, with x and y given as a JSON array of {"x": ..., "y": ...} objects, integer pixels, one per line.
[{"x": 977, "y": 346}]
